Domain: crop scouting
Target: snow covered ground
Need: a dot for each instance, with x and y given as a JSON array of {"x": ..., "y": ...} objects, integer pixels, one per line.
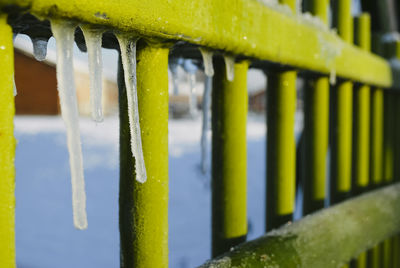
[{"x": 45, "y": 236}]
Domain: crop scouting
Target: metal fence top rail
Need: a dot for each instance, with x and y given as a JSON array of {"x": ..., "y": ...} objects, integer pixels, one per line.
[{"x": 247, "y": 28}]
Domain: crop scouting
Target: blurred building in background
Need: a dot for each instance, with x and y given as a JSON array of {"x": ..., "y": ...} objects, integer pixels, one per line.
[{"x": 36, "y": 85}]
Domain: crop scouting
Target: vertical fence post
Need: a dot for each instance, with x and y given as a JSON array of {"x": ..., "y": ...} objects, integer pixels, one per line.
[
  {"x": 281, "y": 156},
  {"x": 143, "y": 211},
  {"x": 396, "y": 172},
  {"x": 376, "y": 158},
  {"x": 7, "y": 147},
  {"x": 361, "y": 135},
  {"x": 361, "y": 130},
  {"x": 229, "y": 157},
  {"x": 342, "y": 102},
  {"x": 281, "y": 147},
  {"x": 316, "y": 129}
]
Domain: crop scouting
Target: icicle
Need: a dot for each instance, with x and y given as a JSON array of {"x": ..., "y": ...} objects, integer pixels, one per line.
[
  {"x": 230, "y": 67},
  {"x": 39, "y": 48},
  {"x": 173, "y": 66},
  {"x": 191, "y": 69},
  {"x": 128, "y": 55},
  {"x": 93, "y": 39},
  {"x": 207, "y": 61},
  {"x": 14, "y": 86},
  {"x": 192, "y": 96},
  {"x": 299, "y": 5},
  {"x": 205, "y": 126},
  {"x": 64, "y": 34},
  {"x": 332, "y": 77}
]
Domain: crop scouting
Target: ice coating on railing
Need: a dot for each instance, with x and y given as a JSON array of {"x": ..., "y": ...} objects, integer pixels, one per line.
[
  {"x": 39, "y": 48},
  {"x": 63, "y": 32},
  {"x": 207, "y": 61},
  {"x": 128, "y": 54},
  {"x": 230, "y": 67},
  {"x": 93, "y": 39}
]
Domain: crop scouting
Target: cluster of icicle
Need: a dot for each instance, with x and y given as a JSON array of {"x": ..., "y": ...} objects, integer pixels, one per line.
[
  {"x": 64, "y": 32},
  {"x": 191, "y": 69}
]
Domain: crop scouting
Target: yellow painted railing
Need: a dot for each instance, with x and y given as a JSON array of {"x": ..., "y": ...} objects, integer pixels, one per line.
[{"x": 355, "y": 116}]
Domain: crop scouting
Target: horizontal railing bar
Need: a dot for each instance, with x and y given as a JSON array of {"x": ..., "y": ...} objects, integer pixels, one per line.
[
  {"x": 325, "y": 239},
  {"x": 247, "y": 28}
]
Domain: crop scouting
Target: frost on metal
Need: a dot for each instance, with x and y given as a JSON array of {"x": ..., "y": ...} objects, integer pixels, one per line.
[
  {"x": 63, "y": 32},
  {"x": 93, "y": 39},
  {"x": 128, "y": 54},
  {"x": 39, "y": 48},
  {"x": 230, "y": 67}
]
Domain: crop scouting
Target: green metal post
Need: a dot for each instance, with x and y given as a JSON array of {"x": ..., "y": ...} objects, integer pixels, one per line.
[
  {"x": 281, "y": 147},
  {"x": 388, "y": 160},
  {"x": 229, "y": 157},
  {"x": 377, "y": 137},
  {"x": 396, "y": 252},
  {"x": 143, "y": 211},
  {"x": 316, "y": 129},
  {"x": 386, "y": 253},
  {"x": 7, "y": 147},
  {"x": 376, "y": 158},
  {"x": 361, "y": 133},
  {"x": 396, "y": 172},
  {"x": 318, "y": 8},
  {"x": 388, "y": 137},
  {"x": 281, "y": 107},
  {"x": 342, "y": 102}
]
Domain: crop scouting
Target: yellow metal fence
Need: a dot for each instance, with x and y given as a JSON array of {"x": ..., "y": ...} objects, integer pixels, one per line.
[{"x": 350, "y": 108}]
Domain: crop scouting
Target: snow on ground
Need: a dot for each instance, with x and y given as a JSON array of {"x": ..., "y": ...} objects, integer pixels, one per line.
[{"x": 45, "y": 236}]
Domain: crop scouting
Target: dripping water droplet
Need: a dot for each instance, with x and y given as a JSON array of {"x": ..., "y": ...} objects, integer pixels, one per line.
[{"x": 39, "y": 48}]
